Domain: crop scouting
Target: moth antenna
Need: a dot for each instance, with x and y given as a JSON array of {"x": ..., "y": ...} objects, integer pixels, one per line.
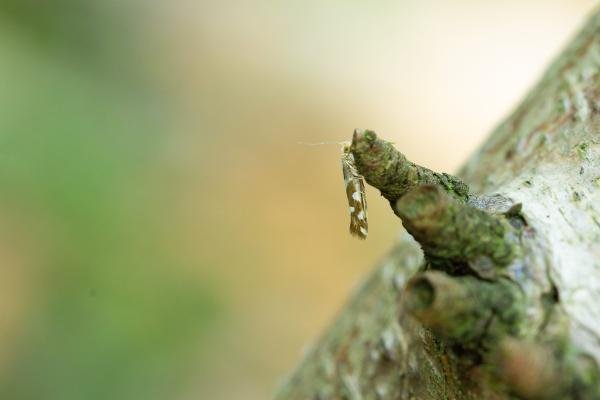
[{"x": 320, "y": 143}]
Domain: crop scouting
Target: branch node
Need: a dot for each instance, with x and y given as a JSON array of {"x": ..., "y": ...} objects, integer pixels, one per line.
[
  {"x": 454, "y": 233},
  {"x": 463, "y": 310},
  {"x": 547, "y": 371}
]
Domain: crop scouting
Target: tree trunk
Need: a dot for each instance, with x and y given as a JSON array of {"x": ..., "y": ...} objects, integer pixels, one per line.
[{"x": 494, "y": 292}]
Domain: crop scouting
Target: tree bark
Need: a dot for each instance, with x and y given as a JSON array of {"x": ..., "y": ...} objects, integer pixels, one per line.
[{"x": 499, "y": 295}]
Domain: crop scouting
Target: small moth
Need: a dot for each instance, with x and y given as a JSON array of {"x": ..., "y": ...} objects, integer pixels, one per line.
[{"x": 355, "y": 191}]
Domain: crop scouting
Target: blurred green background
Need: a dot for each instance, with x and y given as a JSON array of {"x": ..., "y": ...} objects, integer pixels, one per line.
[{"x": 162, "y": 233}]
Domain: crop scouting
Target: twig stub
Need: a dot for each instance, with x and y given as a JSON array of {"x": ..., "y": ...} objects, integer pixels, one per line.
[
  {"x": 453, "y": 232},
  {"x": 388, "y": 170},
  {"x": 463, "y": 310}
]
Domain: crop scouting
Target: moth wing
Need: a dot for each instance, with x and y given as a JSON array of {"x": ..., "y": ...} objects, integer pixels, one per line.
[{"x": 355, "y": 191}]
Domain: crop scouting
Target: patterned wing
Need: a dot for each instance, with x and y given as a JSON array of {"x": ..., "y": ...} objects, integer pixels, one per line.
[{"x": 355, "y": 191}]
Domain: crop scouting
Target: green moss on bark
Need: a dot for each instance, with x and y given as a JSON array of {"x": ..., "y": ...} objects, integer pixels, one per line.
[
  {"x": 453, "y": 233},
  {"x": 464, "y": 310},
  {"x": 388, "y": 170}
]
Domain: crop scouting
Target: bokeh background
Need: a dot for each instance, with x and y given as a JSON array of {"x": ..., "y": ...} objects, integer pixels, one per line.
[{"x": 162, "y": 233}]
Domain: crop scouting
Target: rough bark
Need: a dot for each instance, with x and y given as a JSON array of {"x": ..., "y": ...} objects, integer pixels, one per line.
[{"x": 499, "y": 295}]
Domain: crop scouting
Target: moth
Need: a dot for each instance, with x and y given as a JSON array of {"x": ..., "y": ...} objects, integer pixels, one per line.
[{"x": 355, "y": 192}]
